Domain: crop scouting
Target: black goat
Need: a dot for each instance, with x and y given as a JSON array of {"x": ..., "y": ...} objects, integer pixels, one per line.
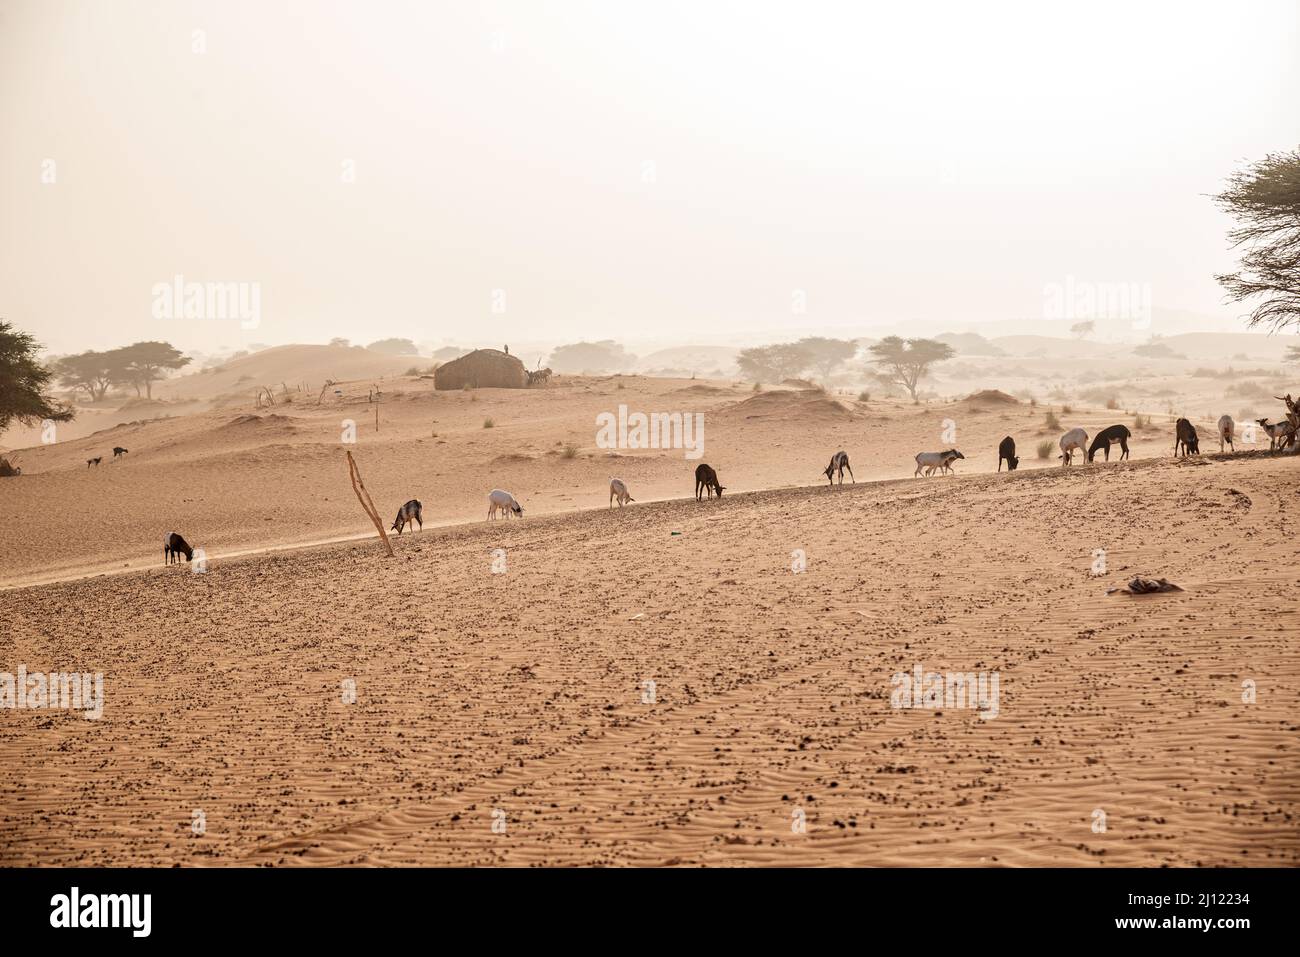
[
  {"x": 1185, "y": 435},
  {"x": 1108, "y": 437},
  {"x": 1007, "y": 450},
  {"x": 706, "y": 479},
  {"x": 174, "y": 547}
]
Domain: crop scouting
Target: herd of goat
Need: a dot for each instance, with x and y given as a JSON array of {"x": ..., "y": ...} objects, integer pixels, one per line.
[{"x": 1186, "y": 441}]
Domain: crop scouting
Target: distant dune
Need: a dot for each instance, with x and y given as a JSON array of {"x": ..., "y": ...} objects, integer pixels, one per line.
[{"x": 294, "y": 366}]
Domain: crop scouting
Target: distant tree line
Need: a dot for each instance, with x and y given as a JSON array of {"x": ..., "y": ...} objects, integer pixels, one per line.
[
  {"x": 893, "y": 360},
  {"x": 136, "y": 366}
]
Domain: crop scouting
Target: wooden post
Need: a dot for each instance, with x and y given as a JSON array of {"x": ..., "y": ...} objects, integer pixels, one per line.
[{"x": 367, "y": 504}]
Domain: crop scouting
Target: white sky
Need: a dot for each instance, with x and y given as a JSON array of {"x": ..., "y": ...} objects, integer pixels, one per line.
[{"x": 892, "y": 161}]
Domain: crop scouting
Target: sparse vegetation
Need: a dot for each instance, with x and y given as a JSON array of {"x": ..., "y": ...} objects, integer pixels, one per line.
[
  {"x": 1044, "y": 448},
  {"x": 1052, "y": 422},
  {"x": 864, "y": 396},
  {"x": 488, "y": 423},
  {"x": 570, "y": 450}
]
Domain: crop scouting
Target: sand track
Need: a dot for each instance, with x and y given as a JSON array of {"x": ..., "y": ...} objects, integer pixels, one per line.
[{"x": 521, "y": 692}]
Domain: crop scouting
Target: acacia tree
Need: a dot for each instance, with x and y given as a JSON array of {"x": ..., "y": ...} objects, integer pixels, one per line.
[
  {"x": 906, "y": 362},
  {"x": 23, "y": 381},
  {"x": 826, "y": 355},
  {"x": 1265, "y": 201},
  {"x": 144, "y": 363},
  {"x": 89, "y": 371},
  {"x": 1082, "y": 330},
  {"x": 784, "y": 360}
]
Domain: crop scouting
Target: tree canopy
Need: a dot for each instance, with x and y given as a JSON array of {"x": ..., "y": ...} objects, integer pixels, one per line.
[
  {"x": 827, "y": 355},
  {"x": 144, "y": 363},
  {"x": 1265, "y": 200},
  {"x": 23, "y": 381},
  {"x": 91, "y": 372},
  {"x": 905, "y": 362},
  {"x": 785, "y": 360}
]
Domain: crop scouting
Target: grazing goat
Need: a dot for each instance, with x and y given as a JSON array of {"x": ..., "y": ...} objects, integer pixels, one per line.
[
  {"x": 504, "y": 502},
  {"x": 1108, "y": 437},
  {"x": 1185, "y": 436},
  {"x": 618, "y": 490},
  {"x": 1226, "y": 429},
  {"x": 1007, "y": 450},
  {"x": 706, "y": 480},
  {"x": 936, "y": 460},
  {"x": 1292, "y": 416},
  {"x": 840, "y": 461},
  {"x": 1277, "y": 432},
  {"x": 94, "y": 461},
  {"x": 409, "y": 514},
  {"x": 119, "y": 451},
  {"x": 174, "y": 547},
  {"x": 1072, "y": 441}
]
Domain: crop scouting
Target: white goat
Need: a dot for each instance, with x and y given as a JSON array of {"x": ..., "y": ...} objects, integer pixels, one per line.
[
  {"x": 1072, "y": 441},
  {"x": 1227, "y": 428},
  {"x": 618, "y": 491},
  {"x": 1277, "y": 432},
  {"x": 502, "y": 501},
  {"x": 936, "y": 460}
]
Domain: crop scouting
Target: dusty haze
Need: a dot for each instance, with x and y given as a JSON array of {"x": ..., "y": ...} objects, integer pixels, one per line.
[{"x": 683, "y": 171}]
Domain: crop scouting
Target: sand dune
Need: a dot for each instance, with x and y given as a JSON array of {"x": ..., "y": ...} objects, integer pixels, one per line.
[
  {"x": 520, "y": 694},
  {"x": 484, "y": 697}
]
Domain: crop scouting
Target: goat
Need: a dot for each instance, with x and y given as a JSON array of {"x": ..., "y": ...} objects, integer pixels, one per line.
[
  {"x": 936, "y": 460},
  {"x": 1277, "y": 432},
  {"x": 706, "y": 480},
  {"x": 840, "y": 461},
  {"x": 1292, "y": 416},
  {"x": 1108, "y": 437},
  {"x": 174, "y": 547},
  {"x": 1007, "y": 450},
  {"x": 618, "y": 490},
  {"x": 118, "y": 451},
  {"x": 1185, "y": 436},
  {"x": 1070, "y": 442},
  {"x": 409, "y": 514},
  {"x": 94, "y": 461},
  {"x": 1226, "y": 429},
  {"x": 502, "y": 501}
]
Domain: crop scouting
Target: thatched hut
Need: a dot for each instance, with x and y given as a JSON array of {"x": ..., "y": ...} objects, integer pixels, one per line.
[{"x": 482, "y": 369}]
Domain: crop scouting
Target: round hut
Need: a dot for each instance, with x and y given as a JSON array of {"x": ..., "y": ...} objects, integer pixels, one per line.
[{"x": 482, "y": 369}]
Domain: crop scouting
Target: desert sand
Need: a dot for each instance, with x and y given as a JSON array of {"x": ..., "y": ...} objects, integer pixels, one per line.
[{"x": 519, "y": 697}]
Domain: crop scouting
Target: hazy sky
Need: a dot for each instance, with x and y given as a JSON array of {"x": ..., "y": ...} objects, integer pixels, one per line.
[{"x": 692, "y": 171}]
